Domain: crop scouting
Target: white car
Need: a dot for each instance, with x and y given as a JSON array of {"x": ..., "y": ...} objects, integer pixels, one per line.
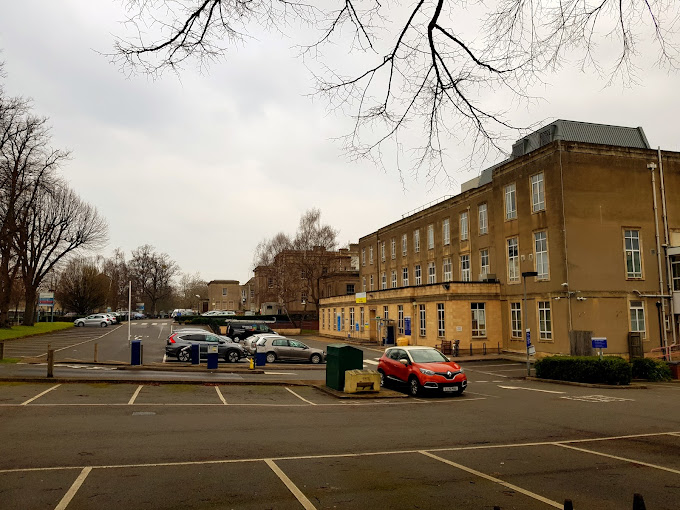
[
  {"x": 98, "y": 319},
  {"x": 250, "y": 343}
]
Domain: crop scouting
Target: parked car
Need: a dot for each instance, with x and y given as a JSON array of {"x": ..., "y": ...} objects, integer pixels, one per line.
[
  {"x": 421, "y": 368},
  {"x": 218, "y": 313},
  {"x": 179, "y": 343},
  {"x": 114, "y": 319},
  {"x": 98, "y": 319},
  {"x": 249, "y": 344},
  {"x": 241, "y": 330},
  {"x": 282, "y": 348},
  {"x": 138, "y": 315}
]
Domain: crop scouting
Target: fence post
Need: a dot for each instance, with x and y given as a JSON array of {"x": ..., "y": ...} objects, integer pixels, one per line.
[
  {"x": 50, "y": 363},
  {"x": 638, "y": 502},
  {"x": 141, "y": 354},
  {"x": 484, "y": 348},
  {"x": 470, "y": 348},
  {"x": 2, "y": 350},
  {"x": 95, "y": 352}
]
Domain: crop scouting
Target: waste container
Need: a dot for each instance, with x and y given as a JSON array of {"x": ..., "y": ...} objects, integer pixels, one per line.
[
  {"x": 260, "y": 357},
  {"x": 136, "y": 352},
  {"x": 340, "y": 358},
  {"x": 195, "y": 354}
]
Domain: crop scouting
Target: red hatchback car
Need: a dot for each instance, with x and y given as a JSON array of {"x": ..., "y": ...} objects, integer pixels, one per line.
[{"x": 421, "y": 368}]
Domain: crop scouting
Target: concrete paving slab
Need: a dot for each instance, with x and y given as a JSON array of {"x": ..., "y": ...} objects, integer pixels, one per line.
[
  {"x": 247, "y": 485},
  {"x": 177, "y": 394},
  {"x": 18, "y": 392},
  {"x": 88, "y": 394},
  {"x": 35, "y": 489},
  {"x": 260, "y": 394},
  {"x": 398, "y": 481}
]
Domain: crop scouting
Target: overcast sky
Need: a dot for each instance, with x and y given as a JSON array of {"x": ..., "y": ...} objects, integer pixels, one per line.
[{"x": 204, "y": 166}]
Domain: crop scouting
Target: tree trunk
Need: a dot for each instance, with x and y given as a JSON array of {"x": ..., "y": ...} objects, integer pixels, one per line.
[
  {"x": 6, "y": 282},
  {"x": 29, "y": 306}
]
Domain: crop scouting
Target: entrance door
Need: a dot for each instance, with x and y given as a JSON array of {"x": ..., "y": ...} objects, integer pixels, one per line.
[{"x": 373, "y": 326}]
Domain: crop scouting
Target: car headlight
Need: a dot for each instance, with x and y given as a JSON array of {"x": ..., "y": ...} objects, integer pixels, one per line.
[
  {"x": 461, "y": 370},
  {"x": 426, "y": 371}
]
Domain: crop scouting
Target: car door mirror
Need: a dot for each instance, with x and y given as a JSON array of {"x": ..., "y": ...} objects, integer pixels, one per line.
[{"x": 404, "y": 361}]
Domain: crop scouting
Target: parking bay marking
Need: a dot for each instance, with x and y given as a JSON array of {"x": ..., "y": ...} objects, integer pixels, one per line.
[
  {"x": 219, "y": 394},
  {"x": 134, "y": 396},
  {"x": 530, "y": 389},
  {"x": 495, "y": 480},
  {"x": 298, "y": 396},
  {"x": 74, "y": 488},
  {"x": 616, "y": 457},
  {"x": 291, "y": 486},
  {"x": 40, "y": 395}
]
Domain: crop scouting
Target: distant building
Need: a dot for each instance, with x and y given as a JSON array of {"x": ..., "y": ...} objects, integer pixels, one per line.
[{"x": 592, "y": 209}]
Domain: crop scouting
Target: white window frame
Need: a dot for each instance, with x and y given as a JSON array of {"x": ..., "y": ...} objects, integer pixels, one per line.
[
  {"x": 431, "y": 272},
  {"x": 363, "y": 284},
  {"x": 416, "y": 240},
  {"x": 441, "y": 321},
  {"x": 675, "y": 275},
  {"x": 404, "y": 245},
  {"x": 510, "y": 194},
  {"x": 632, "y": 245},
  {"x": 418, "y": 272},
  {"x": 446, "y": 231},
  {"x": 370, "y": 255},
  {"x": 447, "y": 270},
  {"x": 383, "y": 281},
  {"x": 351, "y": 318},
  {"x": 361, "y": 318},
  {"x": 464, "y": 226},
  {"x": 363, "y": 256},
  {"x": 386, "y": 313},
  {"x": 516, "y": 319},
  {"x": 394, "y": 278},
  {"x": 422, "y": 317},
  {"x": 541, "y": 255},
  {"x": 465, "y": 272},
  {"x": 636, "y": 312},
  {"x": 512, "y": 255},
  {"x": 537, "y": 193},
  {"x": 430, "y": 237},
  {"x": 484, "y": 264},
  {"x": 371, "y": 282},
  {"x": 478, "y": 312},
  {"x": 404, "y": 276},
  {"x": 544, "y": 320},
  {"x": 400, "y": 319},
  {"x": 382, "y": 251},
  {"x": 483, "y": 216}
]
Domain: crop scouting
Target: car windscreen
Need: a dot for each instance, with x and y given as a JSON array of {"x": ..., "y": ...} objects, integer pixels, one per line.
[{"x": 427, "y": 356}]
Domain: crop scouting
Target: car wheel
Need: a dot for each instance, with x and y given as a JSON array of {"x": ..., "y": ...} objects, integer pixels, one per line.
[
  {"x": 383, "y": 379},
  {"x": 232, "y": 356},
  {"x": 414, "y": 386},
  {"x": 183, "y": 355},
  {"x": 81, "y": 324},
  {"x": 103, "y": 324},
  {"x": 271, "y": 357},
  {"x": 316, "y": 359}
]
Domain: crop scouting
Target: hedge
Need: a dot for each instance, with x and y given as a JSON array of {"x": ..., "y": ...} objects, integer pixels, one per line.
[
  {"x": 651, "y": 369},
  {"x": 586, "y": 369}
]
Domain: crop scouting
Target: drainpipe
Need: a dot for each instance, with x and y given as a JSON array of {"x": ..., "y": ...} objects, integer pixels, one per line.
[
  {"x": 669, "y": 278},
  {"x": 652, "y": 167},
  {"x": 564, "y": 234}
]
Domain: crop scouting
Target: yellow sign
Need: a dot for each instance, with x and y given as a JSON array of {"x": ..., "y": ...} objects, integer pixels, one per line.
[{"x": 360, "y": 297}]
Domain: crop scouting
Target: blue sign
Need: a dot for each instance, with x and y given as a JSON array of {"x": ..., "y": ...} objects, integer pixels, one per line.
[
  {"x": 528, "y": 338},
  {"x": 407, "y": 326},
  {"x": 599, "y": 343},
  {"x": 339, "y": 324},
  {"x": 356, "y": 326}
]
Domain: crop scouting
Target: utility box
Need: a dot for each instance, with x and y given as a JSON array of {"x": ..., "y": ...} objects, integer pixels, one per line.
[
  {"x": 362, "y": 381},
  {"x": 136, "y": 352},
  {"x": 339, "y": 359}
]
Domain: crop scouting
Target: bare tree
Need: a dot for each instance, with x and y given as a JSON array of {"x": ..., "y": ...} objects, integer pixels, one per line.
[
  {"x": 54, "y": 226},
  {"x": 429, "y": 72},
  {"x": 191, "y": 285},
  {"x": 115, "y": 268},
  {"x": 82, "y": 288},
  {"x": 152, "y": 274}
]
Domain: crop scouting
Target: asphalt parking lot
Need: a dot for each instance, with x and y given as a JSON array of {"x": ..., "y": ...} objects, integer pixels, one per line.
[{"x": 517, "y": 445}]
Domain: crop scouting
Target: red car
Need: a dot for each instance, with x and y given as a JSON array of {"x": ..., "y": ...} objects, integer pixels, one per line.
[{"x": 421, "y": 368}]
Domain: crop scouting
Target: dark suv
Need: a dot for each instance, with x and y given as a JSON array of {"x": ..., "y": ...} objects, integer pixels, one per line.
[
  {"x": 179, "y": 345},
  {"x": 241, "y": 330}
]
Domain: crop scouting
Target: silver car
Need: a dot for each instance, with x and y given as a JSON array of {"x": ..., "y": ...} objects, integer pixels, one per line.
[
  {"x": 282, "y": 348},
  {"x": 249, "y": 344},
  {"x": 97, "y": 319}
]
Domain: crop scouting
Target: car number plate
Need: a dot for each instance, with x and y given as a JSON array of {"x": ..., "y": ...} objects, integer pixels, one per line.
[{"x": 450, "y": 388}]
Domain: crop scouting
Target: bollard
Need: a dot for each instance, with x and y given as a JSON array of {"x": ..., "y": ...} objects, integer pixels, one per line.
[
  {"x": 252, "y": 363},
  {"x": 568, "y": 505},
  {"x": 499, "y": 347},
  {"x": 638, "y": 502},
  {"x": 484, "y": 348},
  {"x": 50, "y": 363},
  {"x": 141, "y": 354},
  {"x": 2, "y": 350},
  {"x": 470, "y": 349},
  {"x": 95, "y": 352}
]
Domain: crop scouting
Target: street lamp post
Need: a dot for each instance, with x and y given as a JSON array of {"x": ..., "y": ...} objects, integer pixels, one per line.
[
  {"x": 526, "y": 274},
  {"x": 198, "y": 305}
]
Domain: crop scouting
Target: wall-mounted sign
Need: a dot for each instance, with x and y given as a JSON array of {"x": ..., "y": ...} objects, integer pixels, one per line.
[{"x": 360, "y": 297}]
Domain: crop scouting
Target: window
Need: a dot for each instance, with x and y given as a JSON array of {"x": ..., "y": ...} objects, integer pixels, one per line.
[
  {"x": 465, "y": 268},
  {"x": 419, "y": 279},
  {"x": 224, "y": 291},
  {"x": 371, "y": 280},
  {"x": 335, "y": 319},
  {"x": 350, "y": 289},
  {"x": 303, "y": 297},
  {"x": 361, "y": 318},
  {"x": 633, "y": 254},
  {"x": 382, "y": 251},
  {"x": 510, "y": 202},
  {"x": 394, "y": 248},
  {"x": 342, "y": 319},
  {"x": 675, "y": 269},
  {"x": 430, "y": 237},
  {"x": 270, "y": 282},
  {"x": 544, "y": 321},
  {"x": 484, "y": 263},
  {"x": 404, "y": 277},
  {"x": 404, "y": 245},
  {"x": 383, "y": 284},
  {"x": 400, "y": 319},
  {"x": 516, "y": 320},
  {"x": 537, "y": 193},
  {"x": 478, "y": 320},
  {"x": 421, "y": 318},
  {"x": 541, "y": 254},
  {"x": 416, "y": 240},
  {"x": 363, "y": 256},
  {"x": 447, "y": 270},
  {"x": 351, "y": 318},
  {"x": 386, "y": 313},
  {"x": 441, "y": 327},
  {"x": 323, "y": 319},
  {"x": 637, "y": 317},
  {"x": 463, "y": 226},
  {"x": 370, "y": 255},
  {"x": 394, "y": 279},
  {"x": 363, "y": 284},
  {"x": 446, "y": 231},
  {"x": 513, "y": 259},
  {"x": 252, "y": 293},
  {"x": 483, "y": 219},
  {"x": 431, "y": 273}
]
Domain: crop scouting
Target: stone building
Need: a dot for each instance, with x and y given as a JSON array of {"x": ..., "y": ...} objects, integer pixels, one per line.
[{"x": 592, "y": 209}]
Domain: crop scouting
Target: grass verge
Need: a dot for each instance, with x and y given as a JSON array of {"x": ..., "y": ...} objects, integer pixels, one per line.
[{"x": 37, "y": 329}]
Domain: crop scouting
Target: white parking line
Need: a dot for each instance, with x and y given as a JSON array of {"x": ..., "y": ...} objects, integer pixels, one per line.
[
  {"x": 39, "y": 395},
  {"x": 132, "y": 399},
  {"x": 370, "y": 362},
  {"x": 74, "y": 488},
  {"x": 632, "y": 461},
  {"x": 298, "y": 396},
  {"x": 530, "y": 389},
  {"x": 495, "y": 480},
  {"x": 306, "y": 504},
  {"x": 472, "y": 366},
  {"x": 219, "y": 394}
]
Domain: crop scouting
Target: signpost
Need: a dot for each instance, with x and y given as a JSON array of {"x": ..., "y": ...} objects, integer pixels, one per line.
[
  {"x": 526, "y": 274},
  {"x": 599, "y": 343},
  {"x": 46, "y": 299},
  {"x": 407, "y": 326}
]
